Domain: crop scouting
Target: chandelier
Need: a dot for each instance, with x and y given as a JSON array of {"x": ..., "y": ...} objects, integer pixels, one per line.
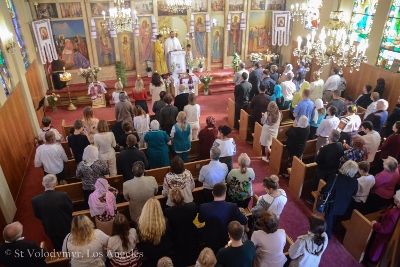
[
  {"x": 299, "y": 13},
  {"x": 120, "y": 17},
  {"x": 179, "y": 5}
]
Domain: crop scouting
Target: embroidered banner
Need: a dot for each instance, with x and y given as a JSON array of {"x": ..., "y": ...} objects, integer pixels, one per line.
[
  {"x": 44, "y": 39},
  {"x": 280, "y": 27}
]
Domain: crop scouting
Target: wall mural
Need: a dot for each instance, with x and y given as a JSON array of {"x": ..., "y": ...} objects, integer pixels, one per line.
[
  {"x": 71, "y": 45},
  {"x": 97, "y": 8},
  {"x": 104, "y": 45},
  {"x": 200, "y": 38},
  {"x": 145, "y": 44},
  {"x": 199, "y": 6},
  {"x": 71, "y": 10},
  {"x": 125, "y": 41},
  {"x": 235, "y": 5},
  {"x": 46, "y": 11},
  {"x": 235, "y": 35},
  {"x": 143, "y": 7},
  {"x": 217, "y": 38},
  {"x": 260, "y": 38},
  {"x": 217, "y": 5},
  {"x": 163, "y": 9}
]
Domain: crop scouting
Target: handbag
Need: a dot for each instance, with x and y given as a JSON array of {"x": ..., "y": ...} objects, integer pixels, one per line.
[{"x": 322, "y": 200}]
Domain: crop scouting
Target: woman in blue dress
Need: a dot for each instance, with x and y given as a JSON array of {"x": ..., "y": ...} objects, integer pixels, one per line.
[
  {"x": 180, "y": 135},
  {"x": 157, "y": 146}
]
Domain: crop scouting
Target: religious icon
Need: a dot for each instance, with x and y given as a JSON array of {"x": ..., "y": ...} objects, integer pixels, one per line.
[
  {"x": 71, "y": 10},
  {"x": 126, "y": 49},
  {"x": 235, "y": 36},
  {"x": 281, "y": 22},
  {"x": 46, "y": 10},
  {"x": 98, "y": 8},
  {"x": 145, "y": 44},
  {"x": 217, "y": 5},
  {"x": 217, "y": 44},
  {"x": 200, "y": 37},
  {"x": 43, "y": 33}
]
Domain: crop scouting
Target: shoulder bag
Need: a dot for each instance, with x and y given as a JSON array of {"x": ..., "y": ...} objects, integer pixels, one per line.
[{"x": 322, "y": 200}]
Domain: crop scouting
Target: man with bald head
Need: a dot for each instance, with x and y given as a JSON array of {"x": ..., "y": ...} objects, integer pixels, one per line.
[
  {"x": 16, "y": 252},
  {"x": 51, "y": 157}
]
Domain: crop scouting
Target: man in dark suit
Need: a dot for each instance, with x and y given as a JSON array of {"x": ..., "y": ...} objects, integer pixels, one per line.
[
  {"x": 182, "y": 99},
  {"x": 17, "y": 252},
  {"x": 54, "y": 209},
  {"x": 328, "y": 159},
  {"x": 241, "y": 93},
  {"x": 255, "y": 78},
  {"x": 217, "y": 215},
  {"x": 259, "y": 105},
  {"x": 128, "y": 156}
]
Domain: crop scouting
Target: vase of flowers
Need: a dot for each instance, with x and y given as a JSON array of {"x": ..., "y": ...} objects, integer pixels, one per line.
[
  {"x": 95, "y": 72},
  {"x": 206, "y": 79},
  {"x": 85, "y": 73},
  {"x": 167, "y": 83},
  {"x": 174, "y": 66},
  {"x": 149, "y": 69},
  {"x": 52, "y": 100},
  {"x": 190, "y": 66},
  {"x": 200, "y": 64},
  {"x": 235, "y": 62}
]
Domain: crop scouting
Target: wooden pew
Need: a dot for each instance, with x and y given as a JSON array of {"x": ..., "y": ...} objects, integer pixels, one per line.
[
  {"x": 231, "y": 113},
  {"x": 279, "y": 154},
  {"x": 194, "y": 167},
  {"x": 75, "y": 193},
  {"x": 391, "y": 255},
  {"x": 56, "y": 259},
  {"x": 289, "y": 242},
  {"x": 286, "y": 117},
  {"x": 282, "y": 132},
  {"x": 67, "y": 150},
  {"x": 257, "y": 147},
  {"x": 244, "y": 125},
  {"x": 300, "y": 173},
  {"x": 315, "y": 194}
]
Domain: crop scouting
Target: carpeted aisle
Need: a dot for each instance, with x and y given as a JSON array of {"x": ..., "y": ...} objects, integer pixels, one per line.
[{"x": 294, "y": 216}]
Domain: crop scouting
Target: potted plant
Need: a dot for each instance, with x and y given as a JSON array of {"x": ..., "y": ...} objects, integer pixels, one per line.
[
  {"x": 200, "y": 65},
  {"x": 148, "y": 69},
  {"x": 51, "y": 100},
  {"x": 120, "y": 71},
  {"x": 190, "y": 66},
  {"x": 206, "y": 79},
  {"x": 235, "y": 62}
]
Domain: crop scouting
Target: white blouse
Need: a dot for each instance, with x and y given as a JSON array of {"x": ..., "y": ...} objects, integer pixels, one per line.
[
  {"x": 115, "y": 243},
  {"x": 141, "y": 123},
  {"x": 105, "y": 144},
  {"x": 228, "y": 147},
  {"x": 192, "y": 113}
]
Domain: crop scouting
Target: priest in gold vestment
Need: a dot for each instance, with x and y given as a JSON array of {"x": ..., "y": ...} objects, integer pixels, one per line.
[{"x": 161, "y": 64}]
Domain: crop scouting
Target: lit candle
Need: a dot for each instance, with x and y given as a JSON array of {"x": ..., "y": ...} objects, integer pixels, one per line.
[
  {"x": 313, "y": 33},
  {"x": 104, "y": 15},
  {"x": 299, "y": 40}
]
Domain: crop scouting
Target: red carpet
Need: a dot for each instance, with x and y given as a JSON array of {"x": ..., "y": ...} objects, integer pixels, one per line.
[{"x": 293, "y": 219}]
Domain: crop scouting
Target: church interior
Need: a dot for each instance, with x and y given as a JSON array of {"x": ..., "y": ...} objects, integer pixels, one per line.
[{"x": 48, "y": 46}]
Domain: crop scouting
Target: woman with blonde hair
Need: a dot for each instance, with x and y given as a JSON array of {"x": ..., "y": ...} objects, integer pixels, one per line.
[
  {"x": 105, "y": 142},
  {"x": 139, "y": 94},
  {"x": 154, "y": 233},
  {"x": 271, "y": 120},
  {"x": 85, "y": 241},
  {"x": 349, "y": 125},
  {"x": 239, "y": 182},
  {"x": 192, "y": 111},
  {"x": 180, "y": 136},
  {"x": 89, "y": 123},
  {"x": 119, "y": 87},
  {"x": 206, "y": 258},
  {"x": 141, "y": 122}
]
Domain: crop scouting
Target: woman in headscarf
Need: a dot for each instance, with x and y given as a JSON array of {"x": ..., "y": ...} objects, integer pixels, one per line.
[
  {"x": 288, "y": 68},
  {"x": 89, "y": 170},
  {"x": 207, "y": 137},
  {"x": 299, "y": 95},
  {"x": 278, "y": 97},
  {"x": 356, "y": 153},
  {"x": 102, "y": 204},
  {"x": 317, "y": 116},
  {"x": 271, "y": 120},
  {"x": 123, "y": 109}
]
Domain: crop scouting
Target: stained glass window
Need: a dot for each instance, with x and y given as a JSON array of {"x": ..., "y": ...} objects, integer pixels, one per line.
[
  {"x": 362, "y": 18},
  {"x": 390, "y": 45},
  {"x": 4, "y": 76},
  {"x": 19, "y": 38}
]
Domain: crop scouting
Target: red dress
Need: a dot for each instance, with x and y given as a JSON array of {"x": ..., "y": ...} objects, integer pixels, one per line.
[
  {"x": 384, "y": 231},
  {"x": 206, "y": 138}
]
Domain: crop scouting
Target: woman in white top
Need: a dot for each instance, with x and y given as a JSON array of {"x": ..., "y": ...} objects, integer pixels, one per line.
[
  {"x": 192, "y": 111},
  {"x": 273, "y": 201},
  {"x": 123, "y": 241},
  {"x": 349, "y": 125},
  {"x": 226, "y": 145},
  {"x": 105, "y": 142},
  {"x": 118, "y": 89},
  {"x": 269, "y": 242},
  {"x": 141, "y": 122},
  {"x": 316, "y": 87},
  {"x": 85, "y": 244},
  {"x": 271, "y": 120},
  {"x": 156, "y": 86},
  {"x": 308, "y": 249}
]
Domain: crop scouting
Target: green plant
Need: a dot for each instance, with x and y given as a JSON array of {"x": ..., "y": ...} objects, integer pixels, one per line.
[
  {"x": 52, "y": 100},
  {"x": 120, "y": 71},
  {"x": 206, "y": 79},
  {"x": 235, "y": 62},
  {"x": 201, "y": 62},
  {"x": 190, "y": 64}
]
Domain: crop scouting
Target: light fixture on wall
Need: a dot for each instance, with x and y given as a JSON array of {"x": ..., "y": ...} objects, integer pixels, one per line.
[
  {"x": 9, "y": 43},
  {"x": 179, "y": 5},
  {"x": 120, "y": 17}
]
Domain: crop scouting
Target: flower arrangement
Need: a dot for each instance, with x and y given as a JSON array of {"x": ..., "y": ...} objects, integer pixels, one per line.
[
  {"x": 235, "y": 62},
  {"x": 89, "y": 72},
  {"x": 174, "y": 66},
  {"x": 255, "y": 57},
  {"x": 148, "y": 66},
  {"x": 52, "y": 100},
  {"x": 95, "y": 72},
  {"x": 200, "y": 63},
  {"x": 206, "y": 79},
  {"x": 167, "y": 83},
  {"x": 190, "y": 64}
]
